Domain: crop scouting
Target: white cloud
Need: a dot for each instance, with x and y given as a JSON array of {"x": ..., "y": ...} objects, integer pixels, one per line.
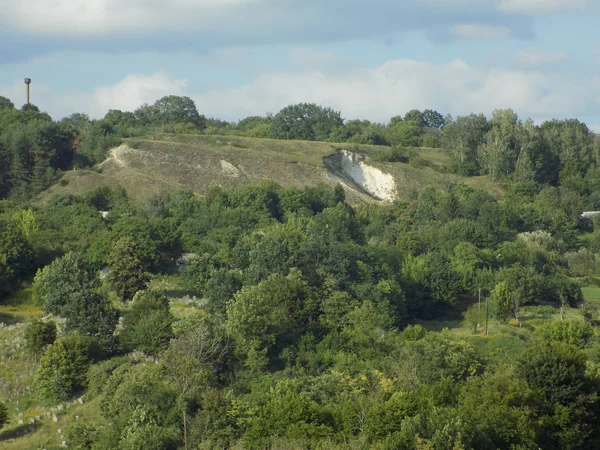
[
  {"x": 135, "y": 90},
  {"x": 376, "y": 93},
  {"x": 306, "y": 59},
  {"x": 535, "y": 7},
  {"x": 479, "y": 31},
  {"x": 102, "y": 17},
  {"x": 233, "y": 20},
  {"x": 400, "y": 85},
  {"x": 539, "y": 57}
]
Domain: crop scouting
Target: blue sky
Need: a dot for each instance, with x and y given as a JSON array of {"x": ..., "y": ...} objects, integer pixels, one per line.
[{"x": 370, "y": 59}]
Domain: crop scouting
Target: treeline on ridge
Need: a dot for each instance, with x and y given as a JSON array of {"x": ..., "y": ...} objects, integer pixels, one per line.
[{"x": 34, "y": 148}]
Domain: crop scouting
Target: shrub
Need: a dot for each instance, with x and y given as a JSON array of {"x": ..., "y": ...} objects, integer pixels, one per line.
[
  {"x": 63, "y": 368},
  {"x": 573, "y": 333},
  {"x": 39, "y": 335}
]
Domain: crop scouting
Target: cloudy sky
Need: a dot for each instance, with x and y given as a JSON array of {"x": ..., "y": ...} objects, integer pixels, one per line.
[{"x": 370, "y": 58}]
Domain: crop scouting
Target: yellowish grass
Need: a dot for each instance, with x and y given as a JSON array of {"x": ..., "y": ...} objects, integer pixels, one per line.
[{"x": 198, "y": 162}]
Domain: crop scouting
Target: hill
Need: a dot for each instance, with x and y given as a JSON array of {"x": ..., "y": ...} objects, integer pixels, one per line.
[{"x": 199, "y": 162}]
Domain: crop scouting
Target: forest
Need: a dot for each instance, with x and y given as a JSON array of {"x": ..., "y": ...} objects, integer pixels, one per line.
[{"x": 269, "y": 317}]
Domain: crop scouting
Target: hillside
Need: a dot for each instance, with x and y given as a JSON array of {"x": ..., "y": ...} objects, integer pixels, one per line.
[{"x": 199, "y": 162}]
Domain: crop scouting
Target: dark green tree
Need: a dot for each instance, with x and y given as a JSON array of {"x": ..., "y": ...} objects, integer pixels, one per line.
[
  {"x": 147, "y": 326},
  {"x": 62, "y": 373},
  {"x": 5, "y": 103},
  {"x": 462, "y": 137},
  {"x": 266, "y": 315},
  {"x": 55, "y": 285},
  {"x": 16, "y": 257},
  {"x": 572, "y": 143},
  {"x": 501, "y": 301},
  {"x": 568, "y": 400},
  {"x": 443, "y": 281},
  {"x": 305, "y": 121},
  {"x": 415, "y": 116},
  {"x": 173, "y": 109},
  {"x": 404, "y": 134},
  {"x": 433, "y": 119},
  {"x": 39, "y": 335},
  {"x": 92, "y": 314},
  {"x": 127, "y": 272}
]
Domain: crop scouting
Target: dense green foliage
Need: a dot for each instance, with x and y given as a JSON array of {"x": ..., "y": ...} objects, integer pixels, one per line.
[
  {"x": 309, "y": 322},
  {"x": 39, "y": 335},
  {"x": 127, "y": 272},
  {"x": 57, "y": 285},
  {"x": 62, "y": 371},
  {"x": 148, "y": 323}
]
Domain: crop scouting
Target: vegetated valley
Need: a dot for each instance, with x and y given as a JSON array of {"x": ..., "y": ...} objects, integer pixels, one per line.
[{"x": 297, "y": 281}]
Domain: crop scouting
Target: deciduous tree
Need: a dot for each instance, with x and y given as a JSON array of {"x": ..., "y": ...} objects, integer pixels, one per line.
[
  {"x": 305, "y": 121},
  {"x": 147, "y": 326},
  {"x": 63, "y": 368},
  {"x": 127, "y": 272},
  {"x": 56, "y": 284}
]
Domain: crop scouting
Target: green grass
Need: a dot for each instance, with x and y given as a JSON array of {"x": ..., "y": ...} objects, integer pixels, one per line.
[
  {"x": 19, "y": 307},
  {"x": 591, "y": 294},
  {"x": 46, "y": 434}
]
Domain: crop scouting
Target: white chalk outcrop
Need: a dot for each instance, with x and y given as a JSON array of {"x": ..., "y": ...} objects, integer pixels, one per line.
[
  {"x": 371, "y": 180},
  {"x": 229, "y": 169}
]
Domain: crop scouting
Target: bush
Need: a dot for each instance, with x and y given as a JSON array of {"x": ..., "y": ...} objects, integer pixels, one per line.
[
  {"x": 98, "y": 374},
  {"x": 148, "y": 324},
  {"x": 62, "y": 371},
  {"x": 39, "y": 335},
  {"x": 395, "y": 154},
  {"x": 475, "y": 317},
  {"x": 81, "y": 436},
  {"x": 569, "y": 332}
]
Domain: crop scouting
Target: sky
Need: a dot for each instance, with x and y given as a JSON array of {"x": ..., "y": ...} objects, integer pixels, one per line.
[{"x": 368, "y": 59}]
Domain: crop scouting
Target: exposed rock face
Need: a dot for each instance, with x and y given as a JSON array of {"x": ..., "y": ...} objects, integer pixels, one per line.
[
  {"x": 351, "y": 167},
  {"x": 229, "y": 169},
  {"x": 589, "y": 214}
]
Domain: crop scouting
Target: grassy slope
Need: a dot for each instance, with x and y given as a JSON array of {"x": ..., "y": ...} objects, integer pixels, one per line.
[{"x": 198, "y": 162}]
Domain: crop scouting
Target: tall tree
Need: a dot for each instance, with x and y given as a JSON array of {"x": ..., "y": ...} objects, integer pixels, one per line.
[
  {"x": 462, "y": 137},
  {"x": 572, "y": 142},
  {"x": 127, "y": 272},
  {"x": 305, "y": 121},
  {"x": 15, "y": 257},
  {"x": 5, "y": 103},
  {"x": 62, "y": 373},
  {"x": 173, "y": 109},
  {"x": 56, "y": 285},
  {"x": 147, "y": 326},
  {"x": 263, "y": 316},
  {"x": 92, "y": 314},
  {"x": 416, "y": 117},
  {"x": 433, "y": 119},
  {"x": 502, "y": 144}
]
